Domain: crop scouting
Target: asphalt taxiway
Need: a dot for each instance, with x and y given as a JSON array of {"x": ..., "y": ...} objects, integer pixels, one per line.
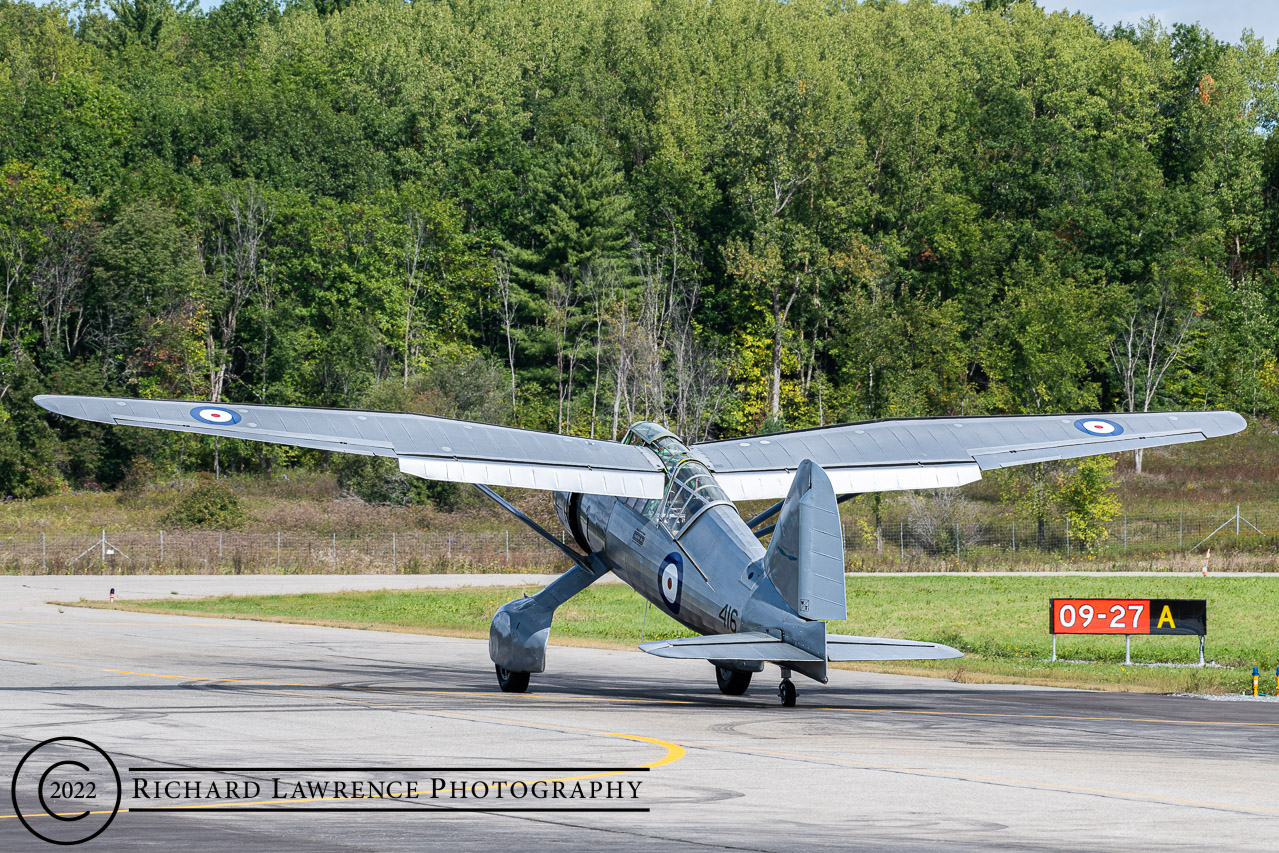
[{"x": 866, "y": 762}]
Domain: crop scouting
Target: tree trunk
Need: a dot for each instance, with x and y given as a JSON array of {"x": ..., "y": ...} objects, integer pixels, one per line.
[
  {"x": 779, "y": 321},
  {"x": 508, "y": 318},
  {"x": 775, "y": 396}
]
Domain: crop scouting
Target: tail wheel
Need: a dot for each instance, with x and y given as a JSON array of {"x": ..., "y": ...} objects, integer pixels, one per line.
[
  {"x": 732, "y": 682},
  {"x": 512, "y": 682}
]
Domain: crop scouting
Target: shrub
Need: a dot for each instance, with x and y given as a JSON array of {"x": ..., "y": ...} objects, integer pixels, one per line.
[
  {"x": 208, "y": 504},
  {"x": 139, "y": 480}
]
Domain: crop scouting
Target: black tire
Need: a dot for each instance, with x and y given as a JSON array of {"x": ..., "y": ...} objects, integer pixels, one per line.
[
  {"x": 786, "y": 691},
  {"x": 732, "y": 682},
  {"x": 512, "y": 682}
]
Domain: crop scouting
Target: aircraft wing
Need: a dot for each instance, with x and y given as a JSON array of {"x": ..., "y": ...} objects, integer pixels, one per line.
[
  {"x": 922, "y": 453},
  {"x": 425, "y": 446},
  {"x": 765, "y": 647}
]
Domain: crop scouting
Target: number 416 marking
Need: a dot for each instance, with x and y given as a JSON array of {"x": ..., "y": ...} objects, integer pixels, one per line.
[{"x": 728, "y": 615}]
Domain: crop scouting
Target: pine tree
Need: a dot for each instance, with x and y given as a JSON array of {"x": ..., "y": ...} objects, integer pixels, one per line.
[
  {"x": 580, "y": 213},
  {"x": 579, "y": 219}
]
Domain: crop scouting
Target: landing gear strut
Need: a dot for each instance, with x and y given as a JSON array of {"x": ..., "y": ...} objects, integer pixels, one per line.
[
  {"x": 517, "y": 682},
  {"x": 732, "y": 682},
  {"x": 786, "y": 690}
]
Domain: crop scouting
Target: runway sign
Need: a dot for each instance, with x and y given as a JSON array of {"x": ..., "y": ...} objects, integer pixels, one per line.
[{"x": 1128, "y": 616}]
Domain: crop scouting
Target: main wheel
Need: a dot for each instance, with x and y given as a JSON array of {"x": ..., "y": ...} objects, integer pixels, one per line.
[
  {"x": 786, "y": 691},
  {"x": 512, "y": 682},
  {"x": 732, "y": 682}
]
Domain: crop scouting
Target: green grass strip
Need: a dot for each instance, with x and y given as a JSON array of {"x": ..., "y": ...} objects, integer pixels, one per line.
[{"x": 999, "y": 622}]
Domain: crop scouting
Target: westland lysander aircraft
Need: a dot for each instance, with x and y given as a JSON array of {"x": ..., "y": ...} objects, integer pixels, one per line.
[{"x": 660, "y": 514}]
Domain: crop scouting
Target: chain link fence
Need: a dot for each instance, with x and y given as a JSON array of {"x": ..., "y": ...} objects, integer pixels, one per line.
[
  {"x": 899, "y": 539},
  {"x": 904, "y": 536},
  {"x": 235, "y": 552}
]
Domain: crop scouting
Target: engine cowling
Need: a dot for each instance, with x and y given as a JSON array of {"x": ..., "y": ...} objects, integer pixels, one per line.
[{"x": 568, "y": 509}]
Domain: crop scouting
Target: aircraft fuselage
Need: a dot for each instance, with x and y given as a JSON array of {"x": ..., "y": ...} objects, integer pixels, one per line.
[{"x": 690, "y": 554}]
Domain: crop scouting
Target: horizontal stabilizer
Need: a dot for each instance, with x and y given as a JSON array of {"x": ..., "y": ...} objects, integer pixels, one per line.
[
  {"x": 842, "y": 648},
  {"x": 765, "y": 647},
  {"x": 748, "y": 646}
]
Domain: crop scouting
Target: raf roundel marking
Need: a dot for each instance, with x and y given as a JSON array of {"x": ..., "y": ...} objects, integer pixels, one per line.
[
  {"x": 670, "y": 578},
  {"x": 215, "y": 415},
  {"x": 1096, "y": 426}
]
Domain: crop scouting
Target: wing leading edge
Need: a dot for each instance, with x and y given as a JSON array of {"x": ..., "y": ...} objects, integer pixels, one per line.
[
  {"x": 425, "y": 446},
  {"x": 924, "y": 453}
]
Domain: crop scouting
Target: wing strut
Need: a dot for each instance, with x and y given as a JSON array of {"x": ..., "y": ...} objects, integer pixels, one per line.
[
  {"x": 537, "y": 528},
  {"x": 765, "y": 515},
  {"x": 775, "y": 508}
]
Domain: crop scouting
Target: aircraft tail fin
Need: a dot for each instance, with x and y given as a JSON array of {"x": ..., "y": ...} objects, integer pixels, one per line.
[{"x": 805, "y": 558}]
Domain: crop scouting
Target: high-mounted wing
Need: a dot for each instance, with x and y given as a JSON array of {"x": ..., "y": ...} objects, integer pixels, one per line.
[
  {"x": 922, "y": 453},
  {"x": 425, "y": 446}
]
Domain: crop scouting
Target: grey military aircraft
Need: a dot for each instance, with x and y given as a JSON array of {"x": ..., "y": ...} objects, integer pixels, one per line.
[{"x": 660, "y": 514}]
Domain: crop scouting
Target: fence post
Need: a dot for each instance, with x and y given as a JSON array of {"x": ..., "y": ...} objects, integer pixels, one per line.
[
  {"x": 44, "y": 562},
  {"x": 1181, "y": 524},
  {"x": 393, "y": 568},
  {"x": 162, "y": 549},
  {"x": 1014, "y": 536},
  {"x": 956, "y": 538},
  {"x": 1067, "y": 536},
  {"x": 450, "y": 544},
  {"x": 219, "y": 546},
  {"x": 1125, "y": 532},
  {"x": 335, "y": 552},
  {"x": 901, "y": 532},
  {"x": 104, "y": 549},
  {"x": 508, "y": 546},
  {"x": 277, "y": 549}
]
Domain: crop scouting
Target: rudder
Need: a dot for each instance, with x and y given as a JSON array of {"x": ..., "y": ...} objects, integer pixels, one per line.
[{"x": 805, "y": 559}]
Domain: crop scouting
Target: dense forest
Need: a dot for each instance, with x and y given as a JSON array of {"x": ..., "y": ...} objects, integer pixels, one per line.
[{"x": 728, "y": 216}]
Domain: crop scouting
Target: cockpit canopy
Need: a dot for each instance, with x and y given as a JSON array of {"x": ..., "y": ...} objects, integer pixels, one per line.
[
  {"x": 691, "y": 486},
  {"x": 661, "y": 441}
]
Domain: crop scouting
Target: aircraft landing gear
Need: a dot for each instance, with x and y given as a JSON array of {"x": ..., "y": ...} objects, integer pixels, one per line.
[
  {"x": 732, "y": 682},
  {"x": 513, "y": 682},
  {"x": 786, "y": 690}
]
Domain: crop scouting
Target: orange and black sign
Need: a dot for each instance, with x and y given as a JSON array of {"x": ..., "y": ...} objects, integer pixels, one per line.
[{"x": 1128, "y": 616}]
